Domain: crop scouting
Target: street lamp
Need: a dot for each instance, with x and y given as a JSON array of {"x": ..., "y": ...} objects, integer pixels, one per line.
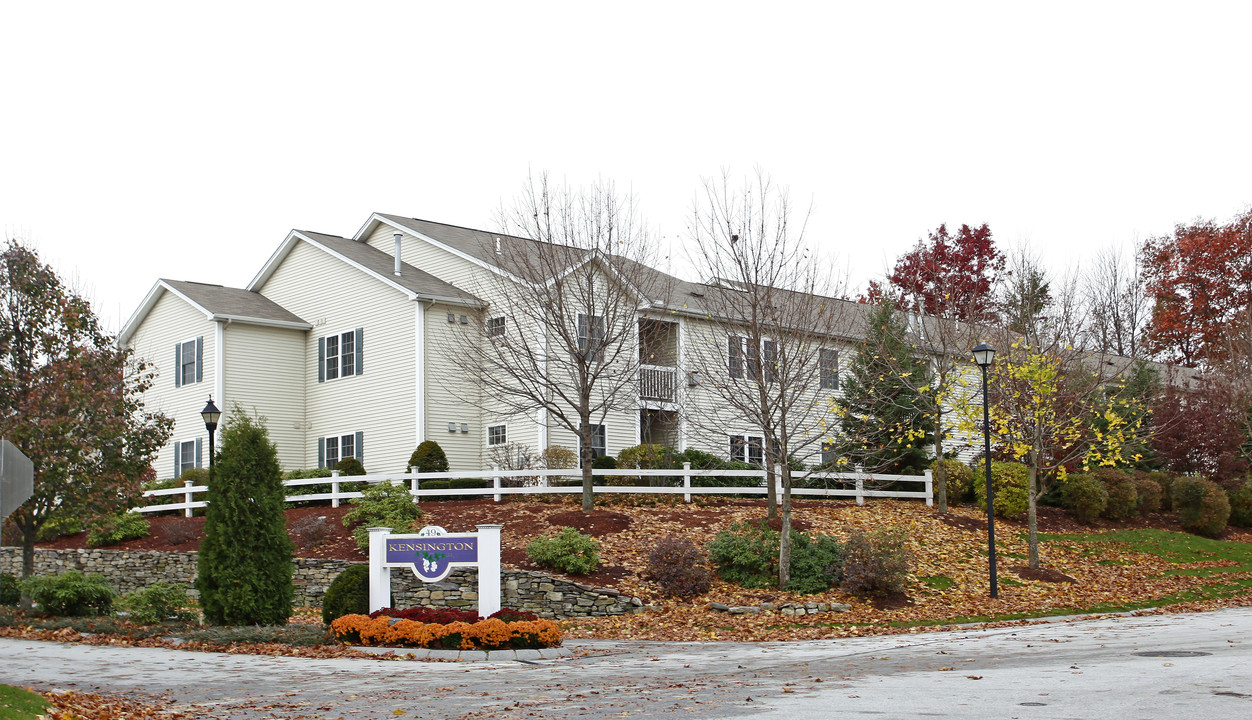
[
  {"x": 984, "y": 355},
  {"x": 211, "y": 415}
]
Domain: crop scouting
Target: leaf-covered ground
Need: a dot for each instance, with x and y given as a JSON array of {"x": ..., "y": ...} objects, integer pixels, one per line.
[{"x": 1127, "y": 570}]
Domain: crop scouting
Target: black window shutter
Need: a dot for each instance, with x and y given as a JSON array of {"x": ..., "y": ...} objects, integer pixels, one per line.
[
  {"x": 321, "y": 368},
  {"x": 178, "y": 366},
  {"x": 321, "y": 452},
  {"x": 360, "y": 453},
  {"x": 199, "y": 452},
  {"x": 359, "y": 354},
  {"x": 199, "y": 360}
]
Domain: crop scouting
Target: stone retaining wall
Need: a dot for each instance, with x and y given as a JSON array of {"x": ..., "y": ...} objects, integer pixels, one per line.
[{"x": 537, "y": 592}]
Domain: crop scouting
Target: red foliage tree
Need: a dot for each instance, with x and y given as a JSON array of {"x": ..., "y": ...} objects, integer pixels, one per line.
[
  {"x": 946, "y": 275},
  {"x": 1203, "y": 431},
  {"x": 71, "y": 400},
  {"x": 1201, "y": 283}
]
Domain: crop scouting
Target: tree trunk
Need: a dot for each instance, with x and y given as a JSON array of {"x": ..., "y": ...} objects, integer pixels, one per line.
[
  {"x": 28, "y": 562},
  {"x": 941, "y": 477},
  {"x": 586, "y": 455},
  {"x": 784, "y": 541},
  {"x": 771, "y": 480},
  {"x": 1032, "y": 521}
]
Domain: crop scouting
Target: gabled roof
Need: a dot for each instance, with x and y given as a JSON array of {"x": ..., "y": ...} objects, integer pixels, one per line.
[
  {"x": 477, "y": 246},
  {"x": 417, "y": 284},
  {"x": 217, "y": 302}
]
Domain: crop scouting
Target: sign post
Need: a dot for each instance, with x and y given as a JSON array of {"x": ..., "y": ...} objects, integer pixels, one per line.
[{"x": 432, "y": 554}]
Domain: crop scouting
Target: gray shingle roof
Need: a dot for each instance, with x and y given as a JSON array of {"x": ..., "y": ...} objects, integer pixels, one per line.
[
  {"x": 234, "y": 302},
  {"x": 478, "y": 244},
  {"x": 371, "y": 258}
]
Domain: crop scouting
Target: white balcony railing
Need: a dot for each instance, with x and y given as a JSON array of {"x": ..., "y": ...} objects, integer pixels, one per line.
[{"x": 658, "y": 383}]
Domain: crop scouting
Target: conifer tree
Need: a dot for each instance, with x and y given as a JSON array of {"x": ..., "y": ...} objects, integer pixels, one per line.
[
  {"x": 886, "y": 428},
  {"x": 245, "y": 560}
]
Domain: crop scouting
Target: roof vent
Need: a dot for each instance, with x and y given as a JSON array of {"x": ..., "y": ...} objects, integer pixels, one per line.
[
  {"x": 697, "y": 293},
  {"x": 398, "y": 236},
  {"x": 498, "y": 246}
]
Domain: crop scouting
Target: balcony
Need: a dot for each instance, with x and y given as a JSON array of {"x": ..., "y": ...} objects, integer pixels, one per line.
[{"x": 658, "y": 383}]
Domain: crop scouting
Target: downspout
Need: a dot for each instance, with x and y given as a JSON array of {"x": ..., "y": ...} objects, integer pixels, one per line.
[{"x": 219, "y": 371}]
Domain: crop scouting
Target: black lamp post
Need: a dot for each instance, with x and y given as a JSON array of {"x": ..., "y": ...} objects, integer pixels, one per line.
[
  {"x": 211, "y": 415},
  {"x": 984, "y": 355}
]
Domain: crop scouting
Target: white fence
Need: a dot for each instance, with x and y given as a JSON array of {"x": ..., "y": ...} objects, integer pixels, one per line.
[{"x": 682, "y": 481}]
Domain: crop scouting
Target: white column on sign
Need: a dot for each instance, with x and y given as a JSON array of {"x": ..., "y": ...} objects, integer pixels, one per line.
[
  {"x": 488, "y": 569},
  {"x": 380, "y": 577}
]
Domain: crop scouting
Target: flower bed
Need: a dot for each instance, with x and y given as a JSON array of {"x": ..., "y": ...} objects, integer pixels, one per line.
[{"x": 505, "y": 630}]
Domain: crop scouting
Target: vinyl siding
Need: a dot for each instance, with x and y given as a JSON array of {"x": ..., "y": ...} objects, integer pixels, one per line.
[
  {"x": 264, "y": 373},
  {"x": 337, "y": 298},
  {"x": 451, "y": 395},
  {"x": 425, "y": 256},
  {"x": 171, "y": 321}
]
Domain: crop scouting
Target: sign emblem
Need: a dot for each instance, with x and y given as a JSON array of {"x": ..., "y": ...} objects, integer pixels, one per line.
[{"x": 432, "y": 554}]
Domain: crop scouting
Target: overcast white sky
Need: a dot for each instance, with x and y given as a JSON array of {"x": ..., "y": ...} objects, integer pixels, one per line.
[{"x": 146, "y": 140}]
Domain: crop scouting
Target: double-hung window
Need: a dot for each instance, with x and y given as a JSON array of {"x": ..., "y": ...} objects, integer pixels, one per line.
[
  {"x": 495, "y": 327},
  {"x": 189, "y": 362},
  {"x": 333, "y": 448},
  {"x": 497, "y": 434},
  {"x": 591, "y": 336},
  {"x": 744, "y": 359},
  {"x": 747, "y": 449},
  {"x": 828, "y": 361},
  {"x": 339, "y": 355},
  {"x": 186, "y": 456},
  {"x": 599, "y": 448}
]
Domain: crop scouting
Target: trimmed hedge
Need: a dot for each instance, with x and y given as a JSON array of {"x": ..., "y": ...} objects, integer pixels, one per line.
[
  {"x": 1201, "y": 505},
  {"x": 1084, "y": 496},
  {"x": 348, "y": 594},
  {"x": 1009, "y": 480}
]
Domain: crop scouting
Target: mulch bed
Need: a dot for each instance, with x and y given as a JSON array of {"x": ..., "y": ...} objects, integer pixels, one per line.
[{"x": 1042, "y": 574}]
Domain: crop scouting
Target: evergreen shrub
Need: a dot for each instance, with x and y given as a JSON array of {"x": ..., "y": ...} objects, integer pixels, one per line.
[
  {"x": 245, "y": 565},
  {"x": 1123, "y": 496},
  {"x": 876, "y": 564},
  {"x": 1010, "y": 482},
  {"x": 9, "y": 594},
  {"x": 1084, "y": 496},
  {"x": 348, "y": 594},
  {"x": 118, "y": 529},
  {"x": 1149, "y": 493},
  {"x": 381, "y": 505},
  {"x": 559, "y": 457},
  {"x": 646, "y": 457},
  {"x": 69, "y": 593},
  {"x": 1241, "y": 504},
  {"x": 350, "y": 466},
  {"x": 427, "y": 458},
  {"x": 816, "y": 563},
  {"x": 568, "y": 551},
  {"x": 1165, "y": 480},
  {"x": 680, "y": 567},
  {"x": 960, "y": 482},
  {"x": 746, "y": 555},
  {"x": 604, "y": 462},
  {"x": 1201, "y": 505},
  {"x": 158, "y": 602}
]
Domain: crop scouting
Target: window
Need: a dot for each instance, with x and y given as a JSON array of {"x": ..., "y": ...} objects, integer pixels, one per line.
[
  {"x": 591, "y": 336},
  {"x": 333, "y": 448},
  {"x": 598, "y": 445},
  {"x": 188, "y": 362},
  {"x": 829, "y": 455},
  {"x": 828, "y": 360},
  {"x": 339, "y": 355},
  {"x": 497, "y": 434},
  {"x": 747, "y": 449},
  {"x": 744, "y": 359},
  {"x": 186, "y": 456},
  {"x": 495, "y": 327}
]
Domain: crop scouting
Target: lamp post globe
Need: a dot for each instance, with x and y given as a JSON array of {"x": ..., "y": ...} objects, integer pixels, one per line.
[
  {"x": 984, "y": 355},
  {"x": 211, "y": 415}
]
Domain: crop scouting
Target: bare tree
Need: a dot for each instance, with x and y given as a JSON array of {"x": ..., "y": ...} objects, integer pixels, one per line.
[
  {"x": 766, "y": 349},
  {"x": 558, "y": 339},
  {"x": 1118, "y": 310}
]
